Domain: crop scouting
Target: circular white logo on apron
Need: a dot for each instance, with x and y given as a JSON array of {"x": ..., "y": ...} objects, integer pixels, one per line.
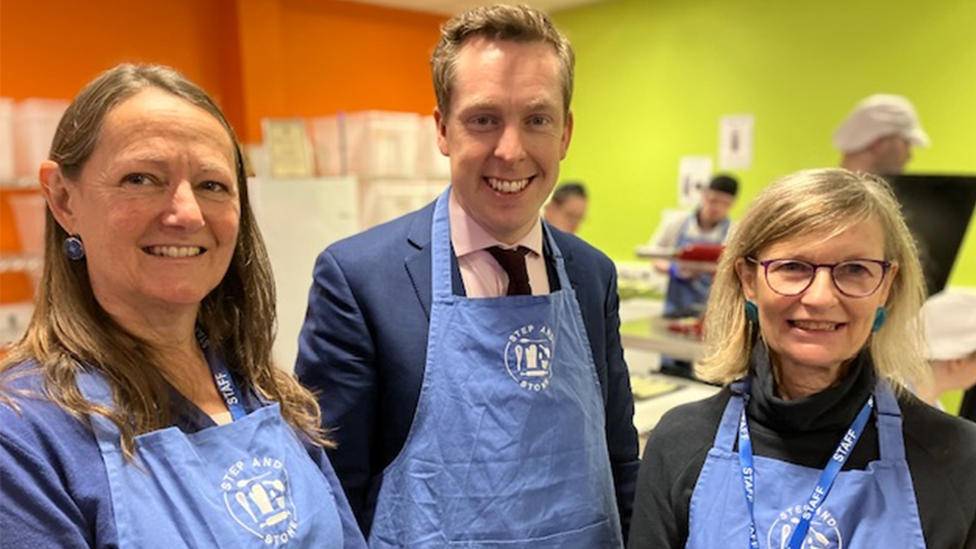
[
  {"x": 823, "y": 532},
  {"x": 528, "y": 357},
  {"x": 258, "y": 496}
]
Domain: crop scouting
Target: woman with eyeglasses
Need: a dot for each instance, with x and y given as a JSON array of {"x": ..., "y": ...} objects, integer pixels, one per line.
[{"x": 814, "y": 442}]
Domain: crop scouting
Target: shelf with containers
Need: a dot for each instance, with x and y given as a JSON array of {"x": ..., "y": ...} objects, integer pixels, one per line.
[
  {"x": 21, "y": 261},
  {"x": 393, "y": 157},
  {"x": 347, "y": 172},
  {"x": 17, "y": 263},
  {"x": 26, "y": 130}
]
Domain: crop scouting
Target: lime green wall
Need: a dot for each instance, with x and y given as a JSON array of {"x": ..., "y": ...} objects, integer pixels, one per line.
[
  {"x": 952, "y": 401},
  {"x": 654, "y": 76}
]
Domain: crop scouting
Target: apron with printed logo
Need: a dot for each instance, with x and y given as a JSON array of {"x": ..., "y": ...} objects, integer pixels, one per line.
[
  {"x": 246, "y": 484},
  {"x": 800, "y": 507},
  {"x": 508, "y": 444}
]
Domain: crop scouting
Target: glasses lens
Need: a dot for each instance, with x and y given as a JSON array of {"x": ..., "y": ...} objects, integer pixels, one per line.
[
  {"x": 854, "y": 278},
  {"x": 858, "y": 278},
  {"x": 788, "y": 276}
]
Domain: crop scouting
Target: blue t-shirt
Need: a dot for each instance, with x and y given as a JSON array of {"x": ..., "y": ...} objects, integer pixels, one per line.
[{"x": 54, "y": 490}]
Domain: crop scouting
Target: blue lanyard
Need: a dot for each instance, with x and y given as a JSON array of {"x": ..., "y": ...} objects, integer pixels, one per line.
[
  {"x": 823, "y": 486},
  {"x": 222, "y": 378},
  {"x": 748, "y": 472}
]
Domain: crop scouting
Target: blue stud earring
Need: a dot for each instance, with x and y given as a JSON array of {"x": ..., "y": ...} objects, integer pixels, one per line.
[
  {"x": 73, "y": 248},
  {"x": 752, "y": 312},
  {"x": 880, "y": 316}
]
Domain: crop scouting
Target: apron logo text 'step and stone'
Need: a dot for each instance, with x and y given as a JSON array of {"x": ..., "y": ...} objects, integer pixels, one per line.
[
  {"x": 528, "y": 357},
  {"x": 258, "y": 496},
  {"x": 823, "y": 532}
]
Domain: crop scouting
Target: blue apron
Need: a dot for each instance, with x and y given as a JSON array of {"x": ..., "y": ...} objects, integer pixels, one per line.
[
  {"x": 508, "y": 444},
  {"x": 865, "y": 509},
  {"x": 249, "y": 483},
  {"x": 688, "y": 297}
]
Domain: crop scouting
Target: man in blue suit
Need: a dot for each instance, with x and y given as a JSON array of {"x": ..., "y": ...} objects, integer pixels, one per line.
[{"x": 467, "y": 356}]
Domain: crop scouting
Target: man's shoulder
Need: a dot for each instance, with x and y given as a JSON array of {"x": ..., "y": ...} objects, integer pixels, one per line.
[{"x": 581, "y": 251}]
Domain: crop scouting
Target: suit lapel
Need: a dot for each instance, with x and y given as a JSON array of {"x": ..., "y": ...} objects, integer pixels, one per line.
[
  {"x": 417, "y": 260},
  {"x": 567, "y": 252}
]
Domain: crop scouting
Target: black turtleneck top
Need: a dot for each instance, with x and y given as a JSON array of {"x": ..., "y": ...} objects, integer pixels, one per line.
[{"x": 940, "y": 449}]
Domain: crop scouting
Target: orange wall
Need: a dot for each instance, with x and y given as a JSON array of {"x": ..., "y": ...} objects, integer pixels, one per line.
[
  {"x": 51, "y": 48},
  {"x": 316, "y": 57},
  {"x": 378, "y": 58},
  {"x": 257, "y": 58}
]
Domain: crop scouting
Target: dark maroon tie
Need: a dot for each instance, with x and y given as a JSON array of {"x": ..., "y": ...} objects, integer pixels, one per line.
[{"x": 513, "y": 261}]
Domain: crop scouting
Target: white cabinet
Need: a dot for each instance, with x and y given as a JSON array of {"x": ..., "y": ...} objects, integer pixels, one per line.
[{"x": 298, "y": 219}]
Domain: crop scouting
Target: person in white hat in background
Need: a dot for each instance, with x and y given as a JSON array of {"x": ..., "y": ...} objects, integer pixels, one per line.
[
  {"x": 878, "y": 135},
  {"x": 950, "y": 334}
]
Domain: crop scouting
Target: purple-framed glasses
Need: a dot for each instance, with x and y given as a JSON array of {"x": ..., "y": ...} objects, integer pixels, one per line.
[{"x": 853, "y": 278}]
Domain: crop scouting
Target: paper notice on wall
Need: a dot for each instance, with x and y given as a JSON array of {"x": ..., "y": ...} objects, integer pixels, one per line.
[
  {"x": 735, "y": 142},
  {"x": 288, "y": 147},
  {"x": 694, "y": 173}
]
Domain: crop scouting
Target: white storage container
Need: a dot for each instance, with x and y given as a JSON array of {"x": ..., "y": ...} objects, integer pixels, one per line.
[
  {"x": 8, "y": 170},
  {"x": 29, "y": 209},
  {"x": 430, "y": 162},
  {"x": 382, "y": 144},
  {"x": 35, "y": 122},
  {"x": 387, "y": 199},
  {"x": 328, "y": 145}
]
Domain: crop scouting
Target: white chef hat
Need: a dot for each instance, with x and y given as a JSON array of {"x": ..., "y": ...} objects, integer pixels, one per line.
[
  {"x": 950, "y": 324},
  {"x": 879, "y": 116}
]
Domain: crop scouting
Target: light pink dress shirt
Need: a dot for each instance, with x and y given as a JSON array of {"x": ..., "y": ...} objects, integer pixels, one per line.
[{"x": 482, "y": 275}]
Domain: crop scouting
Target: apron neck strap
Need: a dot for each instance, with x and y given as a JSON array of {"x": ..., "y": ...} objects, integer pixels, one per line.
[
  {"x": 891, "y": 441},
  {"x": 728, "y": 430},
  {"x": 557, "y": 255},
  {"x": 440, "y": 257}
]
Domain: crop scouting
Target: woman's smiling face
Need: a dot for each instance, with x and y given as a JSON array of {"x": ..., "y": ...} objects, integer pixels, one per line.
[
  {"x": 818, "y": 330},
  {"x": 157, "y": 205}
]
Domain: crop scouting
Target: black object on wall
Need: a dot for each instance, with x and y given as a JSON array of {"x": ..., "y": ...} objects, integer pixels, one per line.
[{"x": 937, "y": 209}]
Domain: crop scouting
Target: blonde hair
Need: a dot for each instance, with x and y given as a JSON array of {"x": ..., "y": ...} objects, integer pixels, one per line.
[
  {"x": 497, "y": 22},
  {"x": 70, "y": 331},
  {"x": 825, "y": 202}
]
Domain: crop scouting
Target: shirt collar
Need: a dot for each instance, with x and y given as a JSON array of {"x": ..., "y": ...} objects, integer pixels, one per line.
[{"x": 467, "y": 236}]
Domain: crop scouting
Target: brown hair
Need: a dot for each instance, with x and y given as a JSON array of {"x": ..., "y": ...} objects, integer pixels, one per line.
[
  {"x": 70, "y": 331},
  {"x": 498, "y": 22}
]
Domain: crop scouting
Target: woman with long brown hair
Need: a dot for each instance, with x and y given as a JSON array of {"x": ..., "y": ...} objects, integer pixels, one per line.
[{"x": 142, "y": 408}]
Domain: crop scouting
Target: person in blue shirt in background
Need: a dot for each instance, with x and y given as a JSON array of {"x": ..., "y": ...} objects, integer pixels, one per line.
[
  {"x": 142, "y": 408},
  {"x": 688, "y": 286}
]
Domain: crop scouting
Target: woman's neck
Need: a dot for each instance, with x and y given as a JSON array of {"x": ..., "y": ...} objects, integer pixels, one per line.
[
  {"x": 798, "y": 381},
  {"x": 172, "y": 337}
]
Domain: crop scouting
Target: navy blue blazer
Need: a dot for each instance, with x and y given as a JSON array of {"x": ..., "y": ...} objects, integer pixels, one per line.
[{"x": 363, "y": 349}]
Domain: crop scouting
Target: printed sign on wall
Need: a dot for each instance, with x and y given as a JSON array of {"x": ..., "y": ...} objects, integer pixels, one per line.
[
  {"x": 694, "y": 173},
  {"x": 735, "y": 142}
]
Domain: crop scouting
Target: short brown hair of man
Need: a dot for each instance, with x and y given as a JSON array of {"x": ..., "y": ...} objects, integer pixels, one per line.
[{"x": 497, "y": 22}]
